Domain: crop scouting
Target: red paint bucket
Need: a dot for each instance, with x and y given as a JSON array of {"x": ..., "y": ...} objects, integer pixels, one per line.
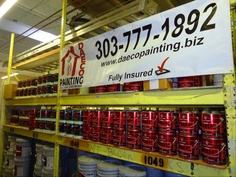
[
  {"x": 39, "y": 90},
  {"x": 214, "y": 149},
  {"x": 106, "y": 135},
  {"x": 188, "y": 122},
  {"x": 33, "y": 82},
  {"x": 188, "y": 146},
  {"x": 19, "y": 84},
  {"x": 133, "y": 120},
  {"x": 133, "y": 139},
  {"x": 149, "y": 120},
  {"x": 149, "y": 140},
  {"x": 213, "y": 124},
  {"x": 167, "y": 121},
  {"x": 95, "y": 133},
  {"x": 107, "y": 118},
  {"x": 86, "y": 131},
  {"x": 27, "y": 83},
  {"x": 119, "y": 119},
  {"x": 167, "y": 143},
  {"x": 119, "y": 136},
  {"x": 17, "y": 93},
  {"x": 69, "y": 114},
  {"x": 62, "y": 114}
]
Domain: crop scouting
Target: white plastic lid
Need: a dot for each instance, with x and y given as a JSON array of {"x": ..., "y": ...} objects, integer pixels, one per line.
[
  {"x": 106, "y": 166},
  {"x": 85, "y": 160},
  {"x": 132, "y": 171}
]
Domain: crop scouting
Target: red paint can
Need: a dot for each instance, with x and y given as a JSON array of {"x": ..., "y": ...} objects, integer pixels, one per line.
[
  {"x": 188, "y": 146},
  {"x": 40, "y": 80},
  {"x": 113, "y": 87},
  {"x": 133, "y": 120},
  {"x": 119, "y": 119},
  {"x": 133, "y": 86},
  {"x": 106, "y": 135},
  {"x": 133, "y": 139},
  {"x": 106, "y": 117},
  {"x": 213, "y": 124},
  {"x": 96, "y": 119},
  {"x": 77, "y": 115},
  {"x": 185, "y": 82},
  {"x": 19, "y": 84},
  {"x": 39, "y": 90},
  {"x": 17, "y": 93},
  {"x": 119, "y": 136},
  {"x": 86, "y": 131},
  {"x": 87, "y": 116},
  {"x": 167, "y": 143},
  {"x": 214, "y": 149},
  {"x": 95, "y": 133},
  {"x": 188, "y": 122},
  {"x": 149, "y": 140},
  {"x": 167, "y": 120},
  {"x": 149, "y": 120}
]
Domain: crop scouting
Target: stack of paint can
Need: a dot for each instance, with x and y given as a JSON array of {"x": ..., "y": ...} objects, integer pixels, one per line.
[
  {"x": 22, "y": 158},
  {"x": 96, "y": 125},
  {"x": 133, "y": 129},
  {"x": 188, "y": 135},
  {"x": 78, "y": 123},
  {"x": 27, "y": 117},
  {"x": 107, "y": 117},
  {"x": 149, "y": 131},
  {"x": 39, "y": 160},
  {"x": 214, "y": 141},
  {"x": 8, "y": 162},
  {"x": 167, "y": 136},
  {"x": 119, "y": 128},
  {"x": 133, "y": 86},
  {"x": 69, "y": 122},
  {"x": 87, "y": 118},
  {"x": 87, "y": 166},
  {"x": 62, "y": 122},
  {"x": 48, "y": 159},
  {"x": 50, "y": 119},
  {"x": 26, "y": 88},
  {"x": 14, "y": 116},
  {"x": 189, "y": 81}
]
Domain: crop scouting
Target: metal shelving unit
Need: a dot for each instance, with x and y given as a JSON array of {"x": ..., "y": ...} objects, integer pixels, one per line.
[{"x": 47, "y": 56}]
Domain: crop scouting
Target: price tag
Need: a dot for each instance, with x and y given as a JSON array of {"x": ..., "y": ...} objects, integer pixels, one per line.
[
  {"x": 35, "y": 135},
  {"x": 155, "y": 161},
  {"x": 74, "y": 144}
]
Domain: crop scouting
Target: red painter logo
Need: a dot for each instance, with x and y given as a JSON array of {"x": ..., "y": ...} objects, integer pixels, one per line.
[{"x": 70, "y": 61}]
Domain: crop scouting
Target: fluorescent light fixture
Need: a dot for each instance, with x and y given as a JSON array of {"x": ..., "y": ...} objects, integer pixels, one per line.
[
  {"x": 14, "y": 74},
  {"x": 6, "y": 6}
]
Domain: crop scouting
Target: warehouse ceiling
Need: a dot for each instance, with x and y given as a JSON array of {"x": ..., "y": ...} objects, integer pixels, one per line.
[{"x": 38, "y": 21}]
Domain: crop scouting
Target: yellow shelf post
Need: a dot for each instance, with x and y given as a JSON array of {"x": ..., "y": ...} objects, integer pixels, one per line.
[
  {"x": 58, "y": 105},
  {"x": 3, "y": 117}
]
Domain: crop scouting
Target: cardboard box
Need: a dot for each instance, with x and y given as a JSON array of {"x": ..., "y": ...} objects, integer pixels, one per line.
[
  {"x": 157, "y": 84},
  {"x": 10, "y": 91}
]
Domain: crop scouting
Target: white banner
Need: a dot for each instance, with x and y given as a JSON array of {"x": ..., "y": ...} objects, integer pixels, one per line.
[{"x": 192, "y": 39}]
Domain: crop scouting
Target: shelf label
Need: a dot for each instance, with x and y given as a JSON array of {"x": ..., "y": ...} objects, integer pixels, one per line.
[
  {"x": 74, "y": 144},
  {"x": 11, "y": 130},
  {"x": 35, "y": 135},
  {"x": 192, "y": 39},
  {"x": 155, "y": 161}
]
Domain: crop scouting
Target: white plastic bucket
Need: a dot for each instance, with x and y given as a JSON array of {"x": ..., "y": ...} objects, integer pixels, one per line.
[
  {"x": 132, "y": 171},
  {"x": 8, "y": 172},
  {"x": 48, "y": 157},
  {"x": 37, "y": 171},
  {"x": 22, "y": 166},
  {"x": 11, "y": 143},
  {"x": 47, "y": 172},
  {"x": 10, "y": 159},
  {"x": 23, "y": 148},
  {"x": 39, "y": 155},
  {"x": 108, "y": 169},
  {"x": 87, "y": 166}
]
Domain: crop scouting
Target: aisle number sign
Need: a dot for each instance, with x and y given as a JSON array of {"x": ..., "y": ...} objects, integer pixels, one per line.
[{"x": 192, "y": 39}]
